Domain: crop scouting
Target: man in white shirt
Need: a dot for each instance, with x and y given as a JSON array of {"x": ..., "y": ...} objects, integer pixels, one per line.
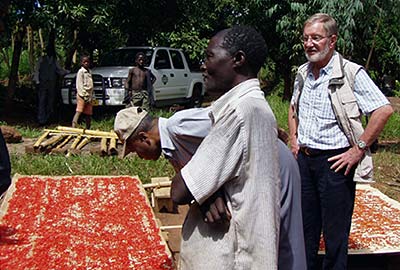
[
  {"x": 178, "y": 138},
  {"x": 239, "y": 157}
]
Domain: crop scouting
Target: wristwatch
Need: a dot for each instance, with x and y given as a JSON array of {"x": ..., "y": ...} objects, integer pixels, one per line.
[{"x": 362, "y": 145}]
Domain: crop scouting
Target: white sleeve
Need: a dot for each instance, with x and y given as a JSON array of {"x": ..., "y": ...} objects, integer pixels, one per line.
[
  {"x": 191, "y": 123},
  {"x": 217, "y": 160}
]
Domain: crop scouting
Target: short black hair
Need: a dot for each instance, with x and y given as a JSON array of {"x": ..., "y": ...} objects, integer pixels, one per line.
[
  {"x": 251, "y": 42},
  {"x": 139, "y": 54},
  {"x": 83, "y": 56}
]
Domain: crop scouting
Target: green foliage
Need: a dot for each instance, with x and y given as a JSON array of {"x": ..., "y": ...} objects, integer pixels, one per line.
[
  {"x": 188, "y": 41},
  {"x": 392, "y": 128},
  {"x": 396, "y": 91},
  {"x": 5, "y": 64},
  {"x": 364, "y": 26}
]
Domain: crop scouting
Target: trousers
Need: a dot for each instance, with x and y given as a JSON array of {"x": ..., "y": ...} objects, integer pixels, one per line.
[
  {"x": 46, "y": 97},
  {"x": 327, "y": 205}
]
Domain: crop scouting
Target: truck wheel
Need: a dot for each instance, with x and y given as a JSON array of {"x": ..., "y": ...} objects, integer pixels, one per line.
[{"x": 197, "y": 98}]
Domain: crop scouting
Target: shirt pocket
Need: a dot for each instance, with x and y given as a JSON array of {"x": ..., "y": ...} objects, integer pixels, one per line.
[{"x": 350, "y": 105}]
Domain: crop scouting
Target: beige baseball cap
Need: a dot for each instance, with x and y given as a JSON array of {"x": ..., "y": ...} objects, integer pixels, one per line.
[{"x": 126, "y": 123}]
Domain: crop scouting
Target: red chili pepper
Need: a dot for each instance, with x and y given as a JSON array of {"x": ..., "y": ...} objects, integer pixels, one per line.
[{"x": 96, "y": 221}]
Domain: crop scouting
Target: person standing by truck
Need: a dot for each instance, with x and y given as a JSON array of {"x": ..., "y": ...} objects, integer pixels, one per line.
[
  {"x": 139, "y": 84},
  {"x": 47, "y": 72},
  {"x": 84, "y": 93}
]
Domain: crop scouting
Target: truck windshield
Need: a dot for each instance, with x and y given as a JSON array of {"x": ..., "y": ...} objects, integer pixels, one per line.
[{"x": 124, "y": 57}]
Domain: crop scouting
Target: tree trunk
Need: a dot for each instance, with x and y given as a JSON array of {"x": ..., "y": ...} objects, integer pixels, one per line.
[
  {"x": 287, "y": 90},
  {"x": 13, "y": 77},
  {"x": 373, "y": 44},
  {"x": 71, "y": 52},
  {"x": 287, "y": 78},
  {"x": 41, "y": 41},
  {"x": 31, "y": 51}
]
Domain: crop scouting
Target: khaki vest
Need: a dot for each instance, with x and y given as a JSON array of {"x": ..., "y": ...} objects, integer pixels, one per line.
[{"x": 345, "y": 107}]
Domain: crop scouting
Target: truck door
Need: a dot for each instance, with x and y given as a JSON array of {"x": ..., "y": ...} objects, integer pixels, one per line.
[
  {"x": 166, "y": 85},
  {"x": 181, "y": 72}
]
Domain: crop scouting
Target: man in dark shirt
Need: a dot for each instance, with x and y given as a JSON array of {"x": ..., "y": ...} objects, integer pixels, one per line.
[{"x": 5, "y": 166}]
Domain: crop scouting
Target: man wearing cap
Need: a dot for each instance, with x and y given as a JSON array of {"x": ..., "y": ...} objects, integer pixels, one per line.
[
  {"x": 176, "y": 137},
  {"x": 179, "y": 137}
]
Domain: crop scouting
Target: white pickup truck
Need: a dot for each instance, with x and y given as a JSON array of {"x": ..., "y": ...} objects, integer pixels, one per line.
[{"x": 175, "y": 82}]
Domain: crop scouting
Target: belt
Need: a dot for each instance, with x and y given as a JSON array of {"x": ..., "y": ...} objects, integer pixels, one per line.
[{"x": 311, "y": 152}]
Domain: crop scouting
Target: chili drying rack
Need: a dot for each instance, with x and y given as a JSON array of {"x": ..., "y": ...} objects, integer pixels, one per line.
[{"x": 68, "y": 140}]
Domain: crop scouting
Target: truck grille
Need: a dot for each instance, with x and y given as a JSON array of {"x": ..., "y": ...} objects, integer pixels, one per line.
[{"x": 98, "y": 86}]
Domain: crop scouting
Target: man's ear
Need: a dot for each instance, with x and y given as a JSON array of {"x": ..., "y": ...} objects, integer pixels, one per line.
[
  {"x": 333, "y": 41},
  {"x": 239, "y": 58},
  {"x": 142, "y": 136}
]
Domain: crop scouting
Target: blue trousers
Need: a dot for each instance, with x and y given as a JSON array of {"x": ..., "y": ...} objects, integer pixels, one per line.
[{"x": 327, "y": 204}]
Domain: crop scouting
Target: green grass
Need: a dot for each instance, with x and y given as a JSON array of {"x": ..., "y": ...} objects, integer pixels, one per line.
[
  {"x": 39, "y": 164},
  {"x": 280, "y": 109},
  {"x": 392, "y": 128},
  {"x": 86, "y": 164},
  {"x": 29, "y": 132}
]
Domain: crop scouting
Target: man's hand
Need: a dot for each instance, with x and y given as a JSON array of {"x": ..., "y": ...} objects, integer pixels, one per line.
[
  {"x": 294, "y": 147},
  {"x": 215, "y": 210},
  {"x": 86, "y": 99},
  {"x": 347, "y": 159},
  {"x": 218, "y": 212}
]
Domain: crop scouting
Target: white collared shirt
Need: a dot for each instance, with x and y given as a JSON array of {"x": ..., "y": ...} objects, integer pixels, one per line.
[{"x": 240, "y": 155}]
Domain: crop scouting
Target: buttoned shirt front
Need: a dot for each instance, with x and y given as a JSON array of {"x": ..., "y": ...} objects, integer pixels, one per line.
[
  {"x": 239, "y": 155},
  {"x": 318, "y": 127}
]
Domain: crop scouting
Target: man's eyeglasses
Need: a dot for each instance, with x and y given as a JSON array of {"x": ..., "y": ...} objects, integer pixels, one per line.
[{"x": 314, "y": 38}]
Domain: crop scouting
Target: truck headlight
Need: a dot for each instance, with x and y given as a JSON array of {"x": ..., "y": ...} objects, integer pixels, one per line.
[
  {"x": 117, "y": 82},
  {"x": 67, "y": 82}
]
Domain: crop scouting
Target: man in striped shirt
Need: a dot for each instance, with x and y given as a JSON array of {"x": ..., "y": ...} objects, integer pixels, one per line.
[
  {"x": 326, "y": 158},
  {"x": 238, "y": 157},
  {"x": 178, "y": 138}
]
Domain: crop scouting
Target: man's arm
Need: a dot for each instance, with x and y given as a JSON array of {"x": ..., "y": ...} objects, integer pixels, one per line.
[
  {"x": 36, "y": 72},
  {"x": 375, "y": 125},
  {"x": 152, "y": 77},
  {"x": 59, "y": 70},
  {"x": 292, "y": 123},
  {"x": 214, "y": 209},
  {"x": 5, "y": 166},
  {"x": 129, "y": 79},
  {"x": 180, "y": 194}
]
